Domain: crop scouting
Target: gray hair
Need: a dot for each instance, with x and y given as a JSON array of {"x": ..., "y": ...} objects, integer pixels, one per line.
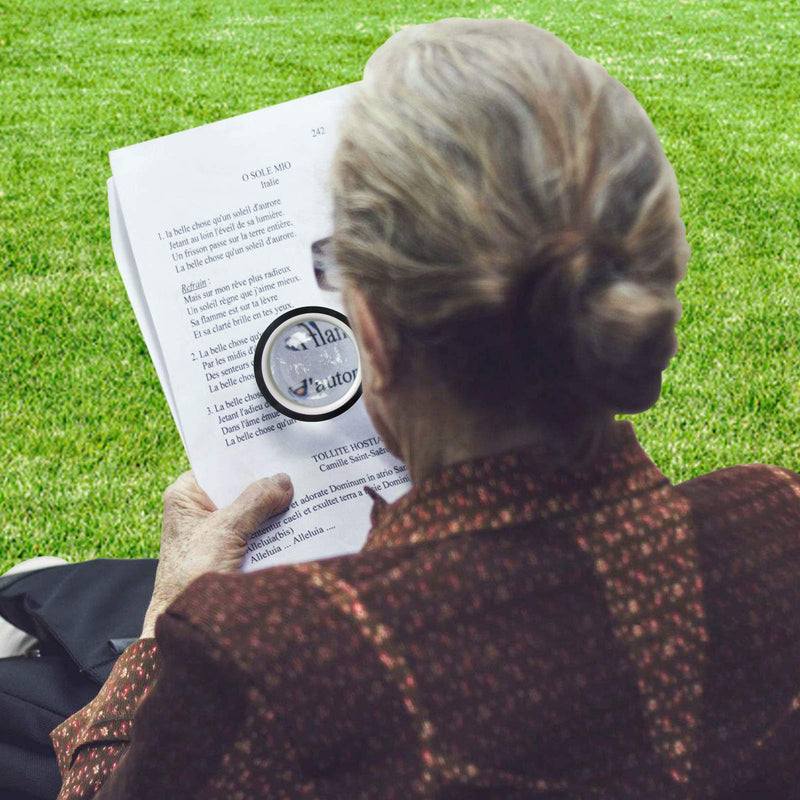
[{"x": 509, "y": 209}]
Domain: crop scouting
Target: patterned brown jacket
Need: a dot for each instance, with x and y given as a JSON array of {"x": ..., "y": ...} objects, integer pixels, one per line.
[{"x": 507, "y": 631}]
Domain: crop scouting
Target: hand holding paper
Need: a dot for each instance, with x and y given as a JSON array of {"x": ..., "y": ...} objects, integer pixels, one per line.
[{"x": 198, "y": 537}]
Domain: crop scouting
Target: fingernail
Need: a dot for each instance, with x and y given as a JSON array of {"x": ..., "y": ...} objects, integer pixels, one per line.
[{"x": 283, "y": 480}]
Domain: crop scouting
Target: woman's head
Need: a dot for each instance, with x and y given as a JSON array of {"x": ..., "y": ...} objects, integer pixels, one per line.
[{"x": 508, "y": 210}]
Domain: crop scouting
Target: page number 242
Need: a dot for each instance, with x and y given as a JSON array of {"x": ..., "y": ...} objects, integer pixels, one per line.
[{"x": 320, "y": 131}]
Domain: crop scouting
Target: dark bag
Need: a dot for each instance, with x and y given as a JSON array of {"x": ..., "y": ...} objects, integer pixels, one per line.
[{"x": 84, "y": 615}]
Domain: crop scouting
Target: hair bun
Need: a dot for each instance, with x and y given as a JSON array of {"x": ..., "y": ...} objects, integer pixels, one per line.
[
  {"x": 624, "y": 340},
  {"x": 613, "y": 334}
]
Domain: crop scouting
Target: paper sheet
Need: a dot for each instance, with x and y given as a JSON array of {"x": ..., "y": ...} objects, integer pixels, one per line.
[{"x": 212, "y": 231}]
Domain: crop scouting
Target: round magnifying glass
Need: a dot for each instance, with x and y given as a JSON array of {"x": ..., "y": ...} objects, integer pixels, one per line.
[{"x": 307, "y": 364}]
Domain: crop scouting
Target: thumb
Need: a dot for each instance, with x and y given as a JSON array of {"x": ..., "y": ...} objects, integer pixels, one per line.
[{"x": 260, "y": 500}]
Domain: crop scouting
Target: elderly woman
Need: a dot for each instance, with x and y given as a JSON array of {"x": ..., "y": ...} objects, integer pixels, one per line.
[{"x": 543, "y": 614}]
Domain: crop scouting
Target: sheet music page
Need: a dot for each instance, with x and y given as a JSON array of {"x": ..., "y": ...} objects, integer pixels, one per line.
[
  {"x": 220, "y": 221},
  {"x": 123, "y": 255}
]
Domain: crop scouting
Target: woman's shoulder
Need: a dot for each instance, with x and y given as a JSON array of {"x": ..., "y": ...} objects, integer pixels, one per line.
[
  {"x": 291, "y": 637},
  {"x": 744, "y": 508},
  {"x": 229, "y": 606},
  {"x": 760, "y": 486},
  {"x": 746, "y": 521},
  {"x": 272, "y": 615}
]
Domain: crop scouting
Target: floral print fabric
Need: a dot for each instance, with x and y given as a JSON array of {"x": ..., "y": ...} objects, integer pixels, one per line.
[{"x": 507, "y": 631}]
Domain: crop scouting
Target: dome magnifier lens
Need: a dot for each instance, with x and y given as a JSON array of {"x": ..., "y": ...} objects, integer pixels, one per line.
[{"x": 307, "y": 364}]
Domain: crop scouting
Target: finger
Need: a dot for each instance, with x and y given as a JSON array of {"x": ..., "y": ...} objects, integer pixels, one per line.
[
  {"x": 257, "y": 502},
  {"x": 186, "y": 489}
]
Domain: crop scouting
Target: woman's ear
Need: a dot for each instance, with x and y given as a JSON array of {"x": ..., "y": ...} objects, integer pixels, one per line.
[{"x": 371, "y": 338}]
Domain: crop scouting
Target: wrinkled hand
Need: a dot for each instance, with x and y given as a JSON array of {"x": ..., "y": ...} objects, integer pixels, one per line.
[{"x": 197, "y": 537}]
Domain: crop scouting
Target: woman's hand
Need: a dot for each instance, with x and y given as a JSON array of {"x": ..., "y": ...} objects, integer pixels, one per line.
[{"x": 197, "y": 537}]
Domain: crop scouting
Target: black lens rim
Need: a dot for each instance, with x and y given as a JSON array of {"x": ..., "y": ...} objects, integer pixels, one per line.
[{"x": 262, "y": 385}]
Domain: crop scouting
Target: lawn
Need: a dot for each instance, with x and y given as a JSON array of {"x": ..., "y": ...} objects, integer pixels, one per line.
[{"x": 87, "y": 438}]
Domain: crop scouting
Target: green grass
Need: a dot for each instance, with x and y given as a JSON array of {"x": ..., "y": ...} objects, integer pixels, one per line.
[{"x": 88, "y": 442}]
